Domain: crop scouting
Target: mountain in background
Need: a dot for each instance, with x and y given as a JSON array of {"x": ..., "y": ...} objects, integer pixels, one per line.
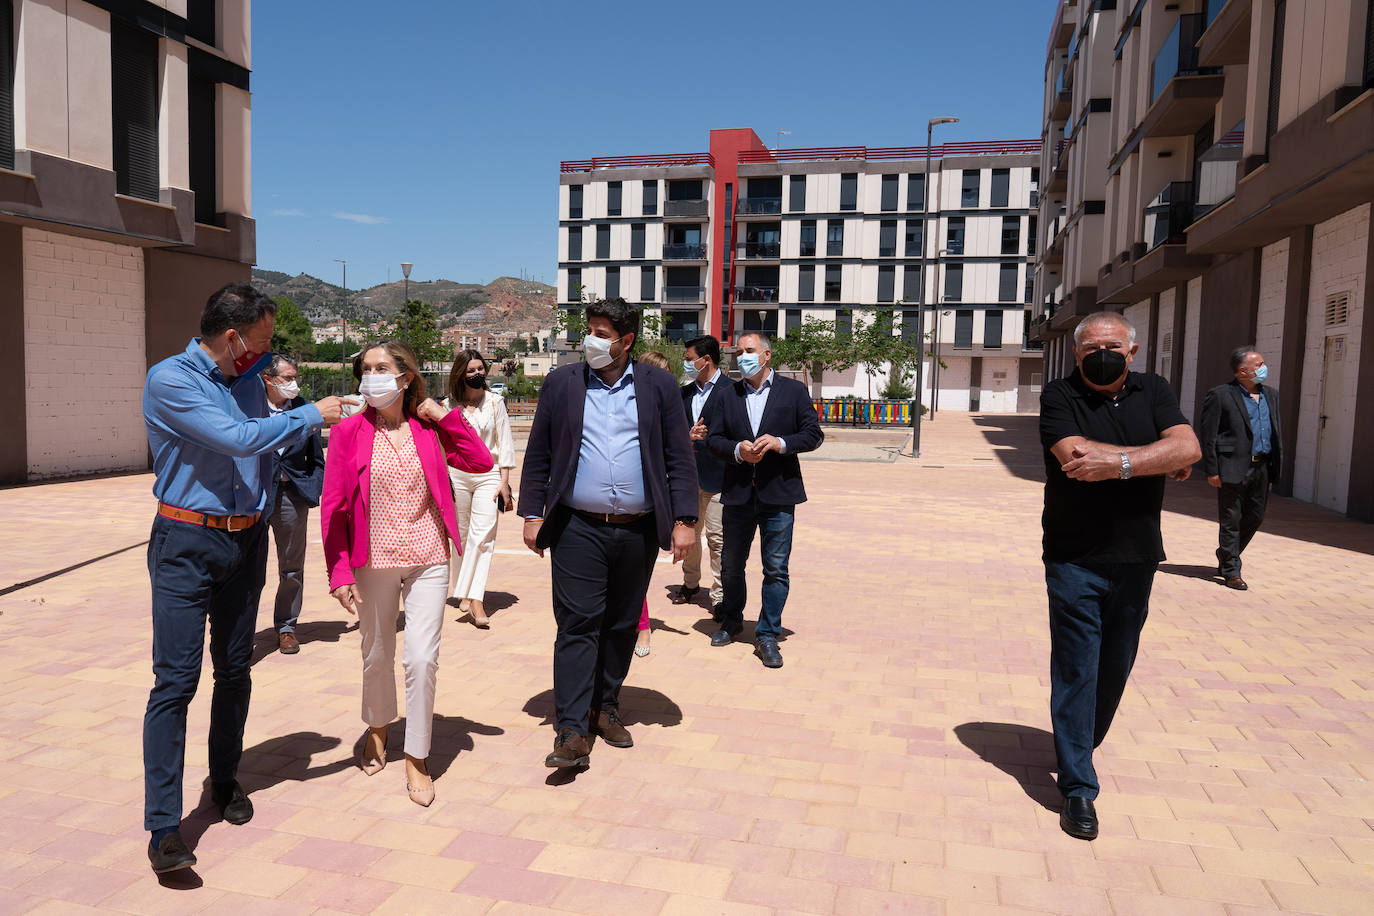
[{"x": 506, "y": 303}]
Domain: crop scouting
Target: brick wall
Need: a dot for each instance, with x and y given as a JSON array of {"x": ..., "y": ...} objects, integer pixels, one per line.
[
  {"x": 84, "y": 351},
  {"x": 1272, "y": 293}
]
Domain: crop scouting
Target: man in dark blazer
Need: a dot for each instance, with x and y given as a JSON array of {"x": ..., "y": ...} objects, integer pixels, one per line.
[
  {"x": 701, "y": 396},
  {"x": 298, "y": 474},
  {"x": 608, "y": 480},
  {"x": 1242, "y": 454},
  {"x": 764, "y": 422}
]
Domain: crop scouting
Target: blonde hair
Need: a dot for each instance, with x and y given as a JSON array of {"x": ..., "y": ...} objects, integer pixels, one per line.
[
  {"x": 655, "y": 358},
  {"x": 406, "y": 362}
]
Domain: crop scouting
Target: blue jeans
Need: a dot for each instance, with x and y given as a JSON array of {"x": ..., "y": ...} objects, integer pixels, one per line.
[
  {"x": 1096, "y": 615},
  {"x": 197, "y": 573},
  {"x": 774, "y": 524}
]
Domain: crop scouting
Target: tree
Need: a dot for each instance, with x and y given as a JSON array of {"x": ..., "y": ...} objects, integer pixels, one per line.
[
  {"x": 879, "y": 345},
  {"x": 291, "y": 331},
  {"x": 520, "y": 345},
  {"x": 419, "y": 325},
  {"x": 814, "y": 348}
]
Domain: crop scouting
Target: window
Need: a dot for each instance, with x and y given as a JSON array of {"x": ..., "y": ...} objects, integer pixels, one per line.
[
  {"x": 849, "y": 191},
  {"x": 612, "y": 282},
  {"x": 636, "y": 240},
  {"x": 1006, "y": 283},
  {"x": 954, "y": 282},
  {"x": 911, "y": 283},
  {"x": 1032, "y": 230},
  {"x": 887, "y": 239},
  {"x": 913, "y": 238},
  {"x": 808, "y": 238},
  {"x": 201, "y": 125},
  {"x": 992, "y": 329},
  {"x": 612, "y": 198},
  {"x": 834, "y": 238},
  {"x": 969, "y": 197},
  {"x": 915, "y": 192},
  {"x": 889, "y": 201},
  {"x": 646, "y": 284},
  {"x": 574, "y": 243},
  {"x": 832, "y": 283},
  {"x": 844, "y": 322},
  {"x": 887, "y": 283},
  {"x": 1011, "y": 234},
  {"x": 909, "y": 318},
  {"x": 796, "y": 189},
  {"x": 963, "y": 329},
  {"x": 1276, "y": 69},
  {"x": 603, "y": 241},
  {"x": 954, "y": 235},
  {"x": 200, "y": 20},
  {"x": 792, "y": 322},
  {"x": 133, "y": 71},
  {"x": 6, "y": 85},
  {"x": 1001, "y": 187},
  {"x": 806, "y": 283},
  {"x": 650, "y": 198},
  {"x": 574, "y": 285},
  {"x": 575, "y": 201}
]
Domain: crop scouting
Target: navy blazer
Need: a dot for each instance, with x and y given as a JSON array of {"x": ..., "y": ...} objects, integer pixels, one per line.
[
  {"x": 1227, "y": 439},
  {"x": 710, "y": 469},
  {"x": 665, "y": 449},
  {"x": 790, "y": 416},
  {"x": 302, "y": 461}
]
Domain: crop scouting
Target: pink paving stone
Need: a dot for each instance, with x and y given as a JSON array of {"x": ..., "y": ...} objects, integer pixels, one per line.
[
  {"x": 502, "y": 882},
  {"x": 332, "y": 856},
  {"x": 346, "y": 893},
  {"x": 650, "y": 842},
  {"x": 865, "y": 900},
  {"x": 798, "y": 836},
  {"x": 841, "y": 870},
  {"x": 15, "y": 869},
  {"x": 752, "y": 857},
  {"x": 596, "y": 898},
  {"x": 797, "y": 894},
  {"x": 494, "y": 850},
  {"x": 79, "y": 884}
]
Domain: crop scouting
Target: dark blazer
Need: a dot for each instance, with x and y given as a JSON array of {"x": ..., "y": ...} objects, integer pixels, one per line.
[
  {"x": 670, "y": 474},
  {"x": 790, "y": 416},
  {"x": 1227, "y": 439},
  {"x": 303, "y": 462},
  {"x": 710, "y": 469}
]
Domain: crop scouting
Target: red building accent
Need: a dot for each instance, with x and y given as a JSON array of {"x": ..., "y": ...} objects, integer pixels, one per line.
[{"x": 728, "y": 147}]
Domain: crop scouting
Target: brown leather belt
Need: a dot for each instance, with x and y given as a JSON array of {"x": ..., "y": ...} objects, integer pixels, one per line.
[
  {"x": 225, "y": 522},
  {"x": 611, "y": 518}
]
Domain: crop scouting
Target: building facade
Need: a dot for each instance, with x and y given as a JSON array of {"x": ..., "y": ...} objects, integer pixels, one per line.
[
  {"x": 743, "y": 237},
  {"x": 1210, "y": 172},
  {"x": 125, "y": 188}
]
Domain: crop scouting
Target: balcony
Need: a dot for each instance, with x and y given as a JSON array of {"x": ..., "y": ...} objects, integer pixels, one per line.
[
  {"x": 1160, "y": 260},
  {"x": 759, "y": 251},
  {"x": 1062, "y": 100},
  {"x": 756, "y": 294},
  {"x": 1227, "y": 36},
  {"x": 1183, "y": 94},
  {"x": 1217, "y": 170},
  {"x": 758, "y": 206},
  {"x": 681, "y": 252},
  {"x": 692, "y": 294},
  {"x": 1169, "y": 215},
  {"x": 686, "y": 209}
]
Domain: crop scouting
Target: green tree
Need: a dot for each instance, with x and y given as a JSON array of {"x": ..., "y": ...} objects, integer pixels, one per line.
[
  {"x": 815, "y": 348},
  {"x": 291, "y": 331},
  {"x": 520, "y": 345},
  {"x": 880, "y": 345},
  {"x": 418, "y": 324}
]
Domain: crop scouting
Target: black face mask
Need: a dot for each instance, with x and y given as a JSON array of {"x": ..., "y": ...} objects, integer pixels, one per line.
[
  {"x": 1103, "y": 367},
  {"x": 475, "y": 381}
]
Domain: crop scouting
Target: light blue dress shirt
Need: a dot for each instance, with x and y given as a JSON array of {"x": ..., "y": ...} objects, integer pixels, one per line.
[
  {"x": 1259, "y": 420},
  {"x": 211, "y": 438},
  {"x": 610, "y": 475},
  {"x": 700, "y": 395},
  {"x": 755, "y": 402}
]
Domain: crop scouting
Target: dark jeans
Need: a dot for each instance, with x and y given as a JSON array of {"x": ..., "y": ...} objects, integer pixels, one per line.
[
  {"x": 600, "y": 576},
  {"x": 198, "y": 572},
  {"x": 1096, "y": 615},
  {"x": 774, "y": 525},
  {"x": 289, "y": 528},
  {"x": 1240, "y": 512}
]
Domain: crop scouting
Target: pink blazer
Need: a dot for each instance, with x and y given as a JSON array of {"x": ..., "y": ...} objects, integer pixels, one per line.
[{"x": 348, "y": 474}]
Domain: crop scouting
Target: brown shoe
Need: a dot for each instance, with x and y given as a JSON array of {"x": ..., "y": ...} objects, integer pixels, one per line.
[
  {"x": 685, "y": 594},
  {"x": 607, "y": 724},
  {"x": 1237, "y": 583},
  {"x": 569, "y": 750},
  {"x": 288, "y": 643}
]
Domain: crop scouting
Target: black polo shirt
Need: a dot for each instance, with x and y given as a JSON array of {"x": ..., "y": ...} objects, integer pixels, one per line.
[{"x": 1106, "y": 521}]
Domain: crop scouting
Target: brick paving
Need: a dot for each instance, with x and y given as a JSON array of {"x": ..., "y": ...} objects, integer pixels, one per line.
[{"x": 900, "y": 762}]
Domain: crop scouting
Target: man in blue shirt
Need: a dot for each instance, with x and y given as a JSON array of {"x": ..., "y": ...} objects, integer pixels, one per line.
[{"x": 213, "y": 445}]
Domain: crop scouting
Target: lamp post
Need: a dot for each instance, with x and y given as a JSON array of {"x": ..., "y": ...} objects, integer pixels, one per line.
[
  {"x": 405, "y": 314},
  {"x": 920, "y": 310},
  {"x": 781, "y": 134},
  {"x": 343, "y": 341}
]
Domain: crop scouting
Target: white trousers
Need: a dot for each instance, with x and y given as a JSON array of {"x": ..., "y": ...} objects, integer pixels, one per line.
[
  {"x": 474, "y": 500},
  {"x": 423, "y": 589}
]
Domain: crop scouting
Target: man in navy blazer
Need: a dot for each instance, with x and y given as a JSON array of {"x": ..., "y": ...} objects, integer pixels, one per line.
[
  {"x": 700, "y": 400},
  {"x": 608, "y": 480},
  {"x": 765, "y": 421}
]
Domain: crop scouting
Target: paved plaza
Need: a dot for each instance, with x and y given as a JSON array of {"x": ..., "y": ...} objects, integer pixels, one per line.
[{"x": 900, "y": 762}]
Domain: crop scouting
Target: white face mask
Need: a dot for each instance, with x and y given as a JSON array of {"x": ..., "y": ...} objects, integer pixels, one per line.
[
  {"x": 380, "y": 389},
  {"x": 288, "y": 390},
  {"x": 597, "y": 351}
]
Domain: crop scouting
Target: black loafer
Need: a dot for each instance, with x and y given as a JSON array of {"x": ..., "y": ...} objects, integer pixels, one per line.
[
  {"x": 767, "y": 651},
  {"x": 724, "y": 637},
  {"x": 171, "y": 854},
  {"x": 234, "y": 806},
  {"x": 1079, "y": 818}
]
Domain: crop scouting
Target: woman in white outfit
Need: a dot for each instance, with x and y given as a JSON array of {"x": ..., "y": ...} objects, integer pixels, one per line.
[{"x": 478, "y": 497}]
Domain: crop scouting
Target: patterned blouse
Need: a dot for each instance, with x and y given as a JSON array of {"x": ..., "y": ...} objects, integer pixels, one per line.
[{"x": 405, "y": 527}]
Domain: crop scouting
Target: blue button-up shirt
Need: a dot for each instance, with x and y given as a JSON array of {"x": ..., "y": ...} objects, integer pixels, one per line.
[
  {"x": 1259, "y": 419},
  {"x": 211, "y": 437},
  {"x": 610, "y": 475},
  {"x": 755, "y": 402}
]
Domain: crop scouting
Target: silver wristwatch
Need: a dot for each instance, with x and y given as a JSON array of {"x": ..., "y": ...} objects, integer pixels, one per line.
[{"x": 1125, "y": 472}]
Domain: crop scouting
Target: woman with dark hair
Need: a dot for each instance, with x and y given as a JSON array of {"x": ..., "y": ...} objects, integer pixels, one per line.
[
  {"x": 478, "y": 497},
  {"x": 387, "y": 516}
]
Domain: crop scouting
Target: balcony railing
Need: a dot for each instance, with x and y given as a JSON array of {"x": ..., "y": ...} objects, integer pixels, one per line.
[
  {"x": 1169, "y": 214},
  {"x": 756, "y": 294},
  {"x": 759, "y": 205},
  {"x": 807, "y": 250},
  {"x": 636, "y": 162},
  {"x": 699, "y": 208},
  {"x": 1178, "y": 56},
  {"x": 684, "y": 252},
  {"x": 967, "y": 148},
  {"x": 684, "y": 294},
  {"x": 760, "y": 250},
  {"x": 1217, "y": 171}
]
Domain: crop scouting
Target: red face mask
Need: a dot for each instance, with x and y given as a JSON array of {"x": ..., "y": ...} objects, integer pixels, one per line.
[{"x": 245, "y": 362}]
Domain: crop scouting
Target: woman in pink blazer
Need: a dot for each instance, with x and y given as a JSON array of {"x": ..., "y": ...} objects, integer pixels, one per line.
[{"x": 387, "y": 517}]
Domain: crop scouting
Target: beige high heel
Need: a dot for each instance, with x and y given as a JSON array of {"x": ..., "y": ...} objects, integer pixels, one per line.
[
  {"x": 482, "y": 622},
  {"x": 421, "y": 795},
  {"x": 371, "y": 761}
]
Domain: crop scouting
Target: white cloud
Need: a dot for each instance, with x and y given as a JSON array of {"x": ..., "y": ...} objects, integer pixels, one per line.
[
  {"x": 363, "y": 218},
  {"x": 288, "y": 213}
]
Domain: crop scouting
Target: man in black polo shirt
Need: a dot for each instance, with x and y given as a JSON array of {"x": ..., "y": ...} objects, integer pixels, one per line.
[{"x": 1110, "y": 438}]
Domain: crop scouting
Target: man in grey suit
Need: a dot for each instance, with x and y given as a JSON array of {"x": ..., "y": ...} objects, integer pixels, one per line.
[{"x": 1242, "y": 453}]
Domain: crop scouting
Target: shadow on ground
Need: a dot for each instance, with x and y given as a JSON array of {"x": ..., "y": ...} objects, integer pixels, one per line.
[
  {"x": 638, "y": 706},
  {"x": 265, "y": 640},
  {"x": 1023, "y": 753}
]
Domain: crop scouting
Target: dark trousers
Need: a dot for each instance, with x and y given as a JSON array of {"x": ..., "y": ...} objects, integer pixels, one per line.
[
  {"x": 289, "y": 519},
  {"x": 197, "y": 573},
  {"x": 774, "y": 524},
  {"x": 1096, "y": 615},
  {"x": 1240, "y": 512},
  {"x": 600, "y": 576}
]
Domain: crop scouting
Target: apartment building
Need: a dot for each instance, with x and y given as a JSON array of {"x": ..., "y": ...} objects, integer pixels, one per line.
[
  {"x": 1210, "y": 174},
  {"x": 742, "y": 237},
  {"x": 125, "y": 188}
]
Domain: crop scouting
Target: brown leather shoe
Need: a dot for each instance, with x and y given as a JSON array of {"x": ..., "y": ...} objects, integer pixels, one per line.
[
  {"x": 607, "y": 724},
  {"x": 288, "y": 643},
  {"x": 1237, "y": 583},
  {"x": 569, "y": 750},
  {"x": 685, "y": 594}
]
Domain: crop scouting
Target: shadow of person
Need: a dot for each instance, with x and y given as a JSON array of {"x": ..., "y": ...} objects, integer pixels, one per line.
[
  {"x": 638, "y": 706},
  {"x": 656, "y": 624},
  {"x": 1026, "y": 754},
  {"x": 449, "y": 736},
  {"x": 183, "y": 879},
  {"x": 1192, "y": 572},
  {"x": 706, "y": 626},
  {"x": 265, "y": 640},
  {"x": 499, "y": 601}
]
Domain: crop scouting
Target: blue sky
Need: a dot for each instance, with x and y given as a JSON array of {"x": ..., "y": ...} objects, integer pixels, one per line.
[{"x": 431, "y": 131}]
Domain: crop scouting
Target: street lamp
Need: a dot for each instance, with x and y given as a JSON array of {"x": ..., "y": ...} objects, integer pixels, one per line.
[
  {"x": 781, "y": 134},
  {"x": 920, "y": 310},
  {"x": 405, "y": 316},
  {"x": 343, "y": 342}
]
